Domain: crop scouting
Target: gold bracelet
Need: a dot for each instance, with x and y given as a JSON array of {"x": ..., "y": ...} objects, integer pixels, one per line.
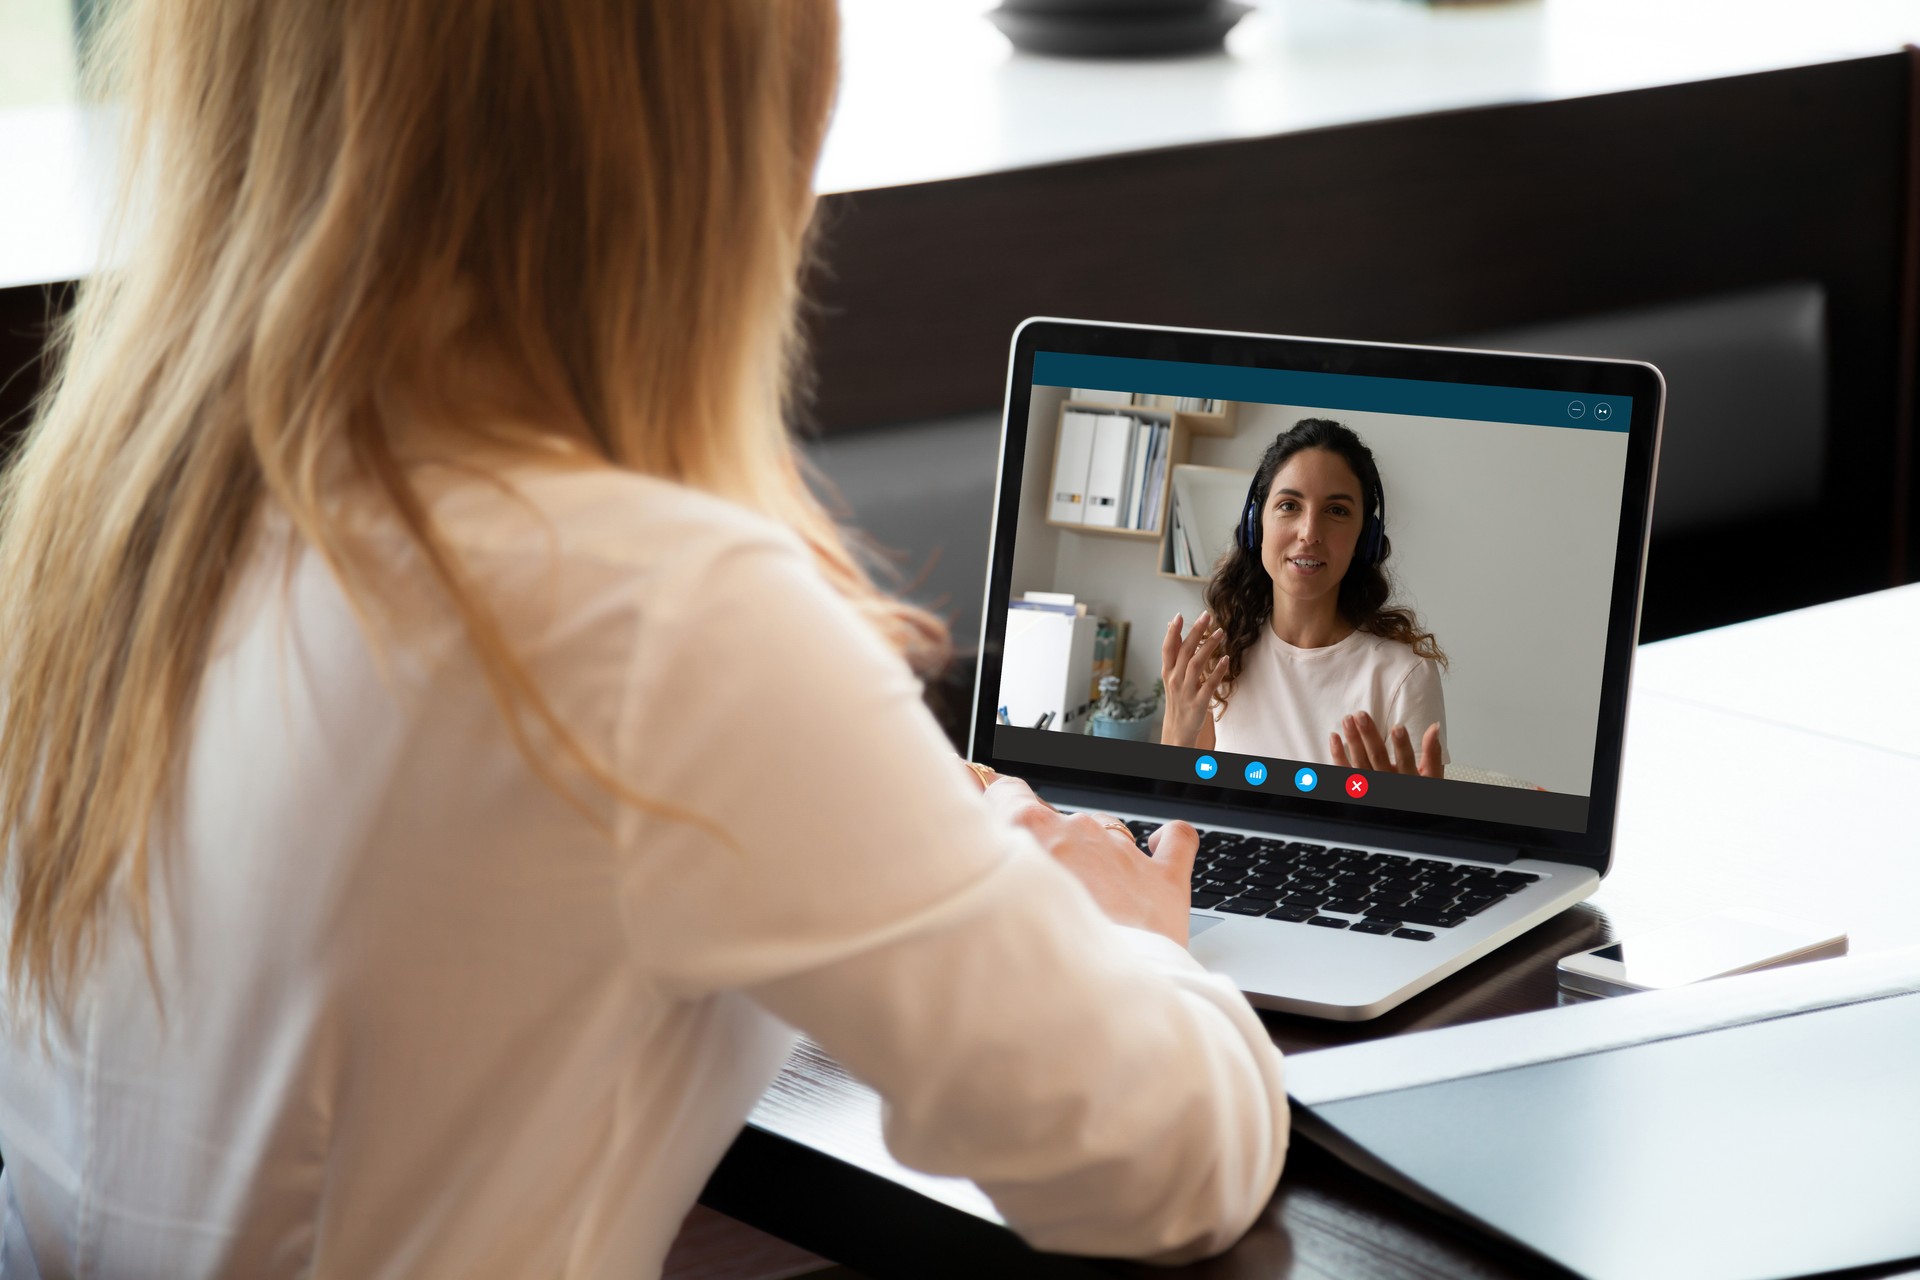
[{"x": 987, "y": 776}]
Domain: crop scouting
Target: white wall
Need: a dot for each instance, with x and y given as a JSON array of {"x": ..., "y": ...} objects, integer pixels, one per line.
[{"x": 1503, "y": 539}]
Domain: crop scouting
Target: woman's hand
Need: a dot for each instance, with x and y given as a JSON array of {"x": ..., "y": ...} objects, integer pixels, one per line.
[
  {"x": 1151, "y": 893},
  {"x": 1364, "y": 748},
  {"x": 1191, "y": 667}
]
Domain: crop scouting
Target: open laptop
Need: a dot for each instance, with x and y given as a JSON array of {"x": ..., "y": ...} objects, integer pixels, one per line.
[{"x": 1514, "y": 496}]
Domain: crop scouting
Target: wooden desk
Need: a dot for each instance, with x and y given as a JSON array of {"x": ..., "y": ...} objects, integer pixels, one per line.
[{"x": 1772, "y": 764}]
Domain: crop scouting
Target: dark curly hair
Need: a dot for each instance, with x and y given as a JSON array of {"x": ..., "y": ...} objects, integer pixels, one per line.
[{"x": 1240, "y": 594}]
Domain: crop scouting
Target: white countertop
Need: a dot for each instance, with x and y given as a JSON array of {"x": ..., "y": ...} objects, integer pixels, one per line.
[{"x": 931, "y": 90}]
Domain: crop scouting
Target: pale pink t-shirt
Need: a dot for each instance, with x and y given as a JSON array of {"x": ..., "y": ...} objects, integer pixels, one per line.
[{"x": 1287, "y": 700}]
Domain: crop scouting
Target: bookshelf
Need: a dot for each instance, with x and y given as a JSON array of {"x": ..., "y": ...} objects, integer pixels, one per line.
[
  {"x": 1182, "y": 426},
  {"x": 1218, "y": 491}
]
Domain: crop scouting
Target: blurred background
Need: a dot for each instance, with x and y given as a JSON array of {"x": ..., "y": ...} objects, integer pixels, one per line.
[{"x": 1725, "y": 191}]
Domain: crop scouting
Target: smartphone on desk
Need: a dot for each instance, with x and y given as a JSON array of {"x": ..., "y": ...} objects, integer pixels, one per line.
[{"x": 1715, "y": 946}]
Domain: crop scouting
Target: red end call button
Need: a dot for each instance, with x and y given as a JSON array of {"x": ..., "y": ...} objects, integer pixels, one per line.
[{"x": 1356, "y": 786}]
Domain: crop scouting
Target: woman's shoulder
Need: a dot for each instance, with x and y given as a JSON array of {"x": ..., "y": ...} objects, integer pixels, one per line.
[
  {"x": 1397, "y": 656},
  {"x": 603, "y": 514}
]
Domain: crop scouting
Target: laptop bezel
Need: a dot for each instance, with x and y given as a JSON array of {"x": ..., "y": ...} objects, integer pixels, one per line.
[{"x": 1359, "y": 823}]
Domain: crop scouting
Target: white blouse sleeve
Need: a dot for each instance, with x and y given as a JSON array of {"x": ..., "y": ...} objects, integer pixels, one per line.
[
  {"x": 1111, "y": 1096},
  {"x": 1421, "y": 701}
]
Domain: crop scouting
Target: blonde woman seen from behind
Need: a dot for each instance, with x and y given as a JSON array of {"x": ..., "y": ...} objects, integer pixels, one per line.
[{"x": 446, "y": 746}]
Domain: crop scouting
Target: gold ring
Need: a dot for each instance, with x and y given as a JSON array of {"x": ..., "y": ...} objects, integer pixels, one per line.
[
  {"x": 1121, "y": 827},
  {"x": 987, "y": 776}
]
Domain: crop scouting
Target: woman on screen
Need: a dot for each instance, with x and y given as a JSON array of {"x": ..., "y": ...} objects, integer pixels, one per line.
[{"x": 1300, "y": 654}]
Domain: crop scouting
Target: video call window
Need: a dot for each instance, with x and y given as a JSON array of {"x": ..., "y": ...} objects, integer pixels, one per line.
[{"x": 1471, "y": 564}]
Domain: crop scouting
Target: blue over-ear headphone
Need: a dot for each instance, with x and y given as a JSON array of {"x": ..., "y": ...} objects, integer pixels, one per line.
[{"x": 1373, "y": 530}]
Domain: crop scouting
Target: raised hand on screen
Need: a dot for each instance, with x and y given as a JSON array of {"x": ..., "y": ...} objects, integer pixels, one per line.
[
  {"x": 1192, "y": 665},
  {"x": 1358, "y": 744}
]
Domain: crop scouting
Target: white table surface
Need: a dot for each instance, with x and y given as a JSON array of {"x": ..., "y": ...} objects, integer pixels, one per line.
[
  {"x": 1776, "y": 764},
  {"x": 931, "y": 91}
]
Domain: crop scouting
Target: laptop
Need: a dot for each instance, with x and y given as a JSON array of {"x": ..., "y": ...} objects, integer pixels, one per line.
[{"x": 1448, "y": 542}]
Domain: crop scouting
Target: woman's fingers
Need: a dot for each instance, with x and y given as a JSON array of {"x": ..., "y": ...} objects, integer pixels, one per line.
[
  {"x": 1364, "y": 741},
  {"x": 1375, "y": 742},
  {"x": 1202, "y": 628},
  {"x": 1200, "y": 670},
  {"x": 1403, "y": 757},
  {"x": 1170, "y": 649},
  {"x": 1016, "y": 800},
  {"x": 1175, "y": 844},
  {"x": 1216, "y": 674},
  {"x": 1338, "y": 750},
  {"x": 1431, "y": 765}
]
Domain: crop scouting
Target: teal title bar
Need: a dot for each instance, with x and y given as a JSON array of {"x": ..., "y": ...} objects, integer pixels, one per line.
[{"x": 1474, "y": 401}]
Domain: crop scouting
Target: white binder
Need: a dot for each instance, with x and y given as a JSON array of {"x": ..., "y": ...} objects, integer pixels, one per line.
[
  {"x": 1069, "y": 504},
  {"x": 1107, "y": 475}
]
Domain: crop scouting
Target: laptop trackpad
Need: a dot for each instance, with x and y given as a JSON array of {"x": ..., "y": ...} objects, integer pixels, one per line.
[{"x": 1198, "y": 924}]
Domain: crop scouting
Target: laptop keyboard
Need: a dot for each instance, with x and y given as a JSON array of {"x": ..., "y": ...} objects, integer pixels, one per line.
[{"x": 1331, "y": 887}]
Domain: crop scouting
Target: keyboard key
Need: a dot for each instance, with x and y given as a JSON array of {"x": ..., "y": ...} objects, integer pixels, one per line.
[
  {"x": 1434, "y": 919},
  {"x": 1475, "y": 908},
  {"x": 1374, "y": 926},
  {"x": 1245, "y": 907},
  {"x": 1304, "y": 899},
  {"x": 1418, "y": 935},
  {"x": 1267, "y": 879},
  {"x": 1293, "y": 915},
  {"x": 1254, "y": 893},
  {"x": 1328, "y": 922},
  {"x": 1297, "y": 848},
  {"x": 1345, "y": 906},
  {"x": 1141, "y": 827},
  {"x": 1208, "y": 899},
  {"x": 1218, "y": 841}
]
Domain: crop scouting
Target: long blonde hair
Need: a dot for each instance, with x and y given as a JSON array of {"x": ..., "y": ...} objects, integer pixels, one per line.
[{"x": 346, "y": 207}]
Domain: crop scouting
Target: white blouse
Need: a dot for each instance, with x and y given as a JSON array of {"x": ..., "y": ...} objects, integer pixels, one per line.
[{"x": 420, "y": 1016}]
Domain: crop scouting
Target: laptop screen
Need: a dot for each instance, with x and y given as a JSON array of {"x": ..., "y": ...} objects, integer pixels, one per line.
[{"x": 1352, "y": 594}]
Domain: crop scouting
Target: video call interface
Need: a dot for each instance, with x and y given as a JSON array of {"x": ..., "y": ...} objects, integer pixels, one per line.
[{"x": 1359, "y": 591}]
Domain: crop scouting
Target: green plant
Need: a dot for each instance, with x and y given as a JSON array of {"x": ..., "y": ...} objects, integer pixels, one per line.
[{"x": 1117, "y": 701}]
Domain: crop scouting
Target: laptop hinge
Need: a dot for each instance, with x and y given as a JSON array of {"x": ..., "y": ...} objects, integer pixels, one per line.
[{"x": 1301, "y": 828}]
